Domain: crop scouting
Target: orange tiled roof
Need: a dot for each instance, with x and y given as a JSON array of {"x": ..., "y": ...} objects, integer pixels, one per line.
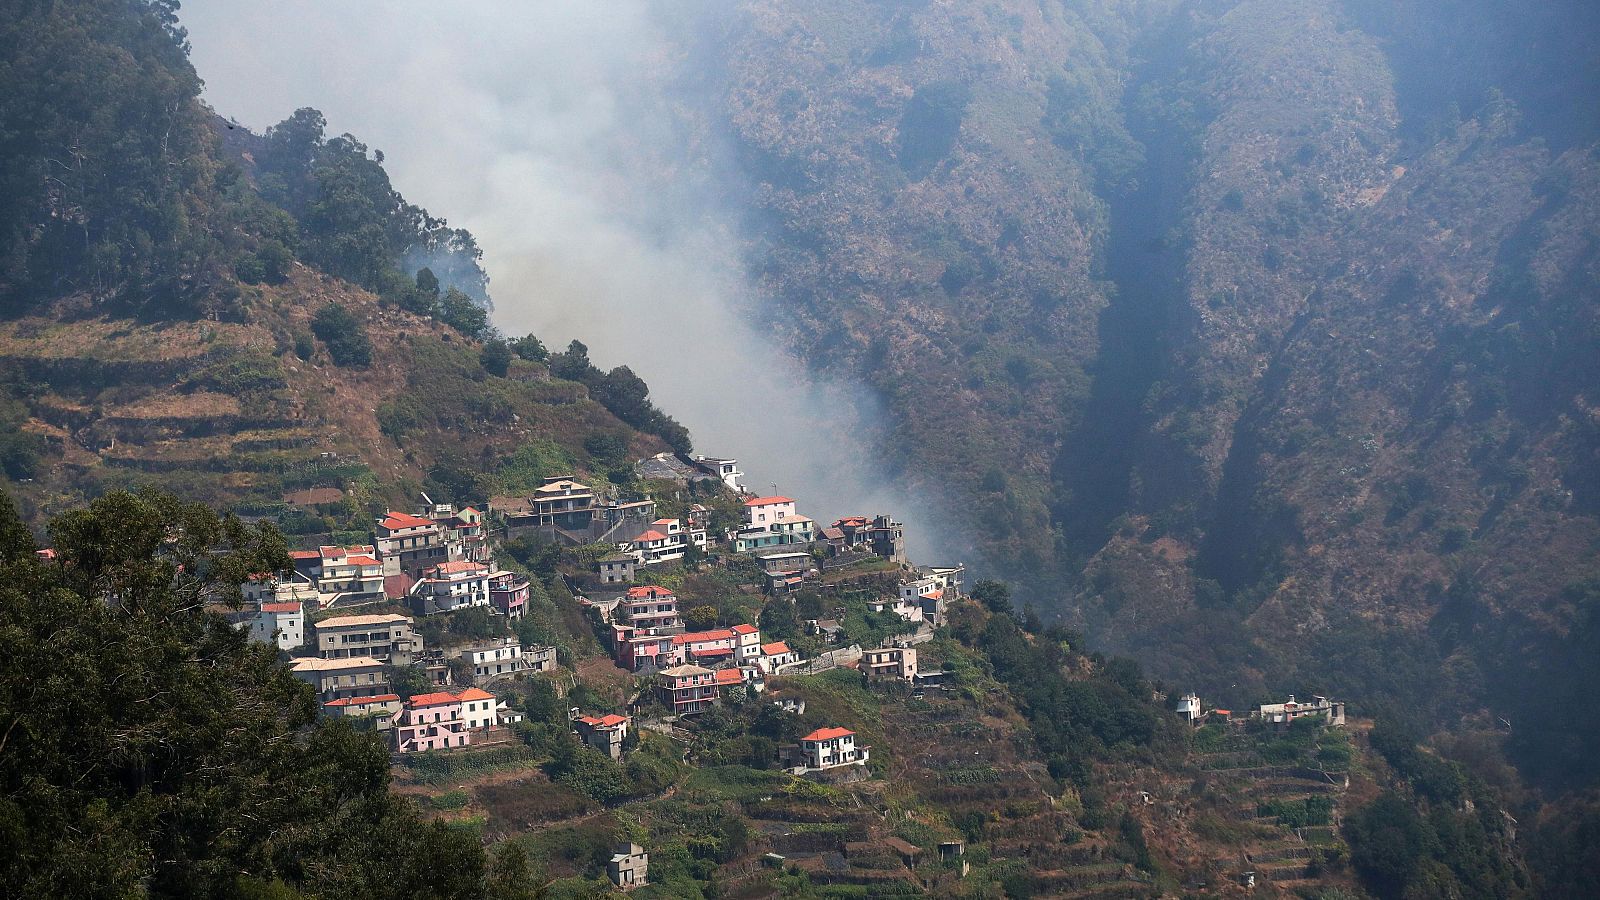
[
  {"x": 363, "y": 701},
  {"x": 767, "y": 501},
  {"x": 744, "y": 628},
  {"x": 827, "y": 734},
  {"x": 397, "y": 520},
  {"x": 774, "y": 649}
]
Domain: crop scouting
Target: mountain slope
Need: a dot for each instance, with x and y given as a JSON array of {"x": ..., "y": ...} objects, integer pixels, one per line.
[{"x": 1218, "y": 319}]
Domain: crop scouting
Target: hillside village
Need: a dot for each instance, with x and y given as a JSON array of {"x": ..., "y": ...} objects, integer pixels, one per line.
[{"x": 455, "y": 660}]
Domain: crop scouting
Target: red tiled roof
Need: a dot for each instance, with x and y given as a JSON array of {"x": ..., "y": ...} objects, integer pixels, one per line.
[
  {"x": 832, "y": 534},
  {"x": 439, "y": 698},
  {"x": 696, "y": 637},
  {"x": 648, "y": 592},
  {"x": 743, "y": 628},
  {"x": 363, "y": 701},
  {"x": 934, "y": 595},
  {"x": 610, "y": 720},
  {"x": 397, "y": 586},
  {"x": 774, "y": 649},
  {"x": 304, "y": 554},
  {"x": 281, "y": 607},
  {"x": 360, "y": 560},
  {"x": 852, "y": 521},
  {"x": 460, "y": 565},
  {"x": 706, "y": 652},
  {"x": 397, "y": 520},
  {"x": 729, "y": 676},
  {"x": 827, "y": 734},
  {"x": 651, "y": 535},
  {"x": 767, "y": 501}
]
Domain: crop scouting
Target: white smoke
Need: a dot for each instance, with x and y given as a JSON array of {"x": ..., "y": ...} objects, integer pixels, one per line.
[{"x": 542, "y": 128}]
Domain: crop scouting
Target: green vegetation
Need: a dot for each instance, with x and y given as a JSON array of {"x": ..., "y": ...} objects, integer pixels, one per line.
[
  {"x": 189, "y": 762},
  {"x": 344, "y": 336}
]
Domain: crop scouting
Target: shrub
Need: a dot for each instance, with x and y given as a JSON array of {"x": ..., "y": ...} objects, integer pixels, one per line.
[{"x": 344, "y": 336}]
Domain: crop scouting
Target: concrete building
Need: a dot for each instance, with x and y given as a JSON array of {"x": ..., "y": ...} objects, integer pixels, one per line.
[
  {"x": 410, "y": 544},
  {"x": 508, "y": 594},
  {"x": 726, "y": 470},
  {"x": 651, "y": 606},
  {"x": 388, "y": 637},
  {"x": 604, "y": 733},
  {"x": 335, "y": 678},
  {"x": 563, "y": 503},
  {"x": 1280, "y": 715},
  {"x": 629, "y": 867},
  {"x": 493, "y": 659},
  {"x": 890, "y": 662},
  {"x": 618, "y": 568}
]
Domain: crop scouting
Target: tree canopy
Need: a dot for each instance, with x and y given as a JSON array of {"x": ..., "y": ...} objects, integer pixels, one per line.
[{"x": 148, "y": 747}]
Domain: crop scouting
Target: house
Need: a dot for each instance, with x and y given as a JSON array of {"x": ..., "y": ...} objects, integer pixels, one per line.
[
  {"x": 604, "y": 733},
  {"x": 349, "y": 574},
  {"x": 664, "y": 540},
  {"x": 771, "y": 522},
  {"x": 563, "y": 503},
  {"x": 617, "y": 568},
  {"x": 785, "y": 562},
  {"x": 410, "y": 544},
  {"x": 283, "y": 624},
  {"x": 932, "y": 589},
  {"x": 775, "y": 656},
  {"x": 1190, "y": 709},
  {"x": 380, "y": 709},
  {"x": 508, "y": 594},
  {"x": 764, "y": 511},
  {"x": 629, "y": 866},
  {"x": 880, "y": 534},
  {"x": 450, "y": 586},
  {"x": 443, "y": 720},
  {"x": 466, "y": 529},
  {"x": 431, "y": 722},
  {"x": 651, "y": 606},
  {"x": 479, "y": 708},
  {"x": 1281, "y": 714},
  {"x": 688, "y": 689},
  {"x": 505, "y": 656},
  {"x": 747, "y": 644},
  {"x": 636, "y": 649},
  {"x": 890, "y": 662},
  {"x": 829, "y": 748},
  {"x": 335, "y": 678},
  {"x": 709, "y": 648},
  {"x": 726, "y": 470},
  {"x": 386, "y": 637}
]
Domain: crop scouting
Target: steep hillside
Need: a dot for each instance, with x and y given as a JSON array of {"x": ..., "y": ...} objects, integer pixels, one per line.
[
  {"x": 230, "y": 413},
  {"x": 254, "y": 321},
  {"x": 1262, "y": 332}
]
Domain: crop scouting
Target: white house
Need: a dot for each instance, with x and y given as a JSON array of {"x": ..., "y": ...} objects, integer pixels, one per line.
[
  {"x": 775, "y": 656},
  {"x": 451, "y": 586},
  {"x": 283, "y": 624},
  {"x": 764, "y": 511},
  {"x": 829, "y": 748},
  {"x": 505, "y": 657}
]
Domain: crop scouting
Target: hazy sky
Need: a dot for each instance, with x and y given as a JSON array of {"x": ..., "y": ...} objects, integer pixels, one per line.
[{"x": 525, "y": 123}]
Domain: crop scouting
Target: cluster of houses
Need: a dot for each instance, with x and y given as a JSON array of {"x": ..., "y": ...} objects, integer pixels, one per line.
[
  {"x": 434, "y": 562},
  {"x": 1275, "y": 715},
  {"x": 346, "y": 660},
  {"x": 438, "y": 560}
]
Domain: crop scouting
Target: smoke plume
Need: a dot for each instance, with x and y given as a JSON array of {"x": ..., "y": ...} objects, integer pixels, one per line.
[{"x": 547, "y": 130}]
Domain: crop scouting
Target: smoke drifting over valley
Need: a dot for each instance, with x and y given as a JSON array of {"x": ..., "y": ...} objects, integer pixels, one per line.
[{"x": 545, "y": 129}]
